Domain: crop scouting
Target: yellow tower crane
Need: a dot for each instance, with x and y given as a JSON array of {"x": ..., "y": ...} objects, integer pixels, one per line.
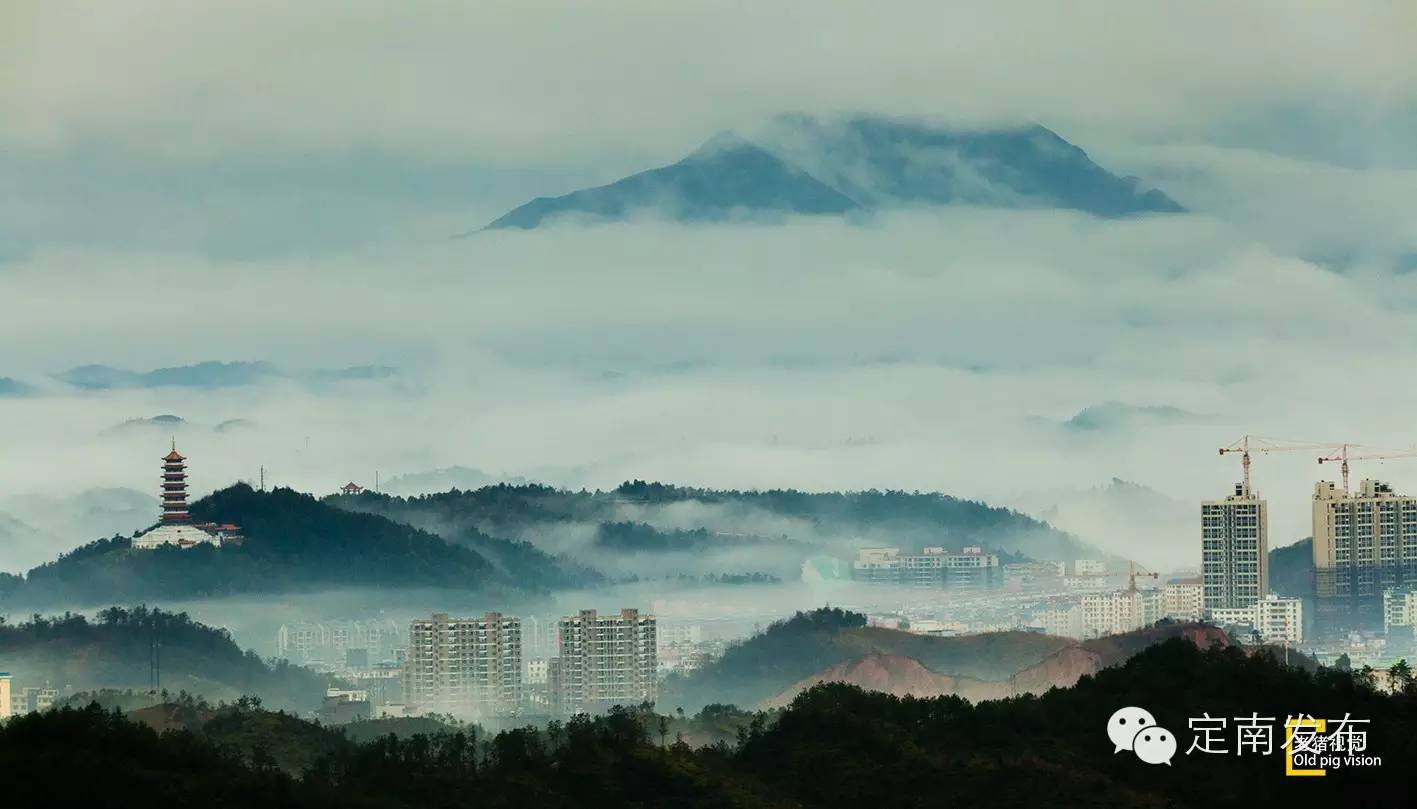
[
  {"x": 1134, "y": 570},
  {"x": 1255, "y": 443},
  {"x": 1369, "y": 454}
]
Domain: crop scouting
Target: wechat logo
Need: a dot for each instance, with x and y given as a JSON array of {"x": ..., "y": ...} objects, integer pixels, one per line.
[{"x": 1135, "y": 729}]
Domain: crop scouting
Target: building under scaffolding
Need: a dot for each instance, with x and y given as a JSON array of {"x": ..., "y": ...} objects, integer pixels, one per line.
[{"x": 1365, "y": 542}]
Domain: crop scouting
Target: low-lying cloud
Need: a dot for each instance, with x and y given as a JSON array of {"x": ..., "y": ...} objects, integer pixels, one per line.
[{"x": 934, "y": 350}]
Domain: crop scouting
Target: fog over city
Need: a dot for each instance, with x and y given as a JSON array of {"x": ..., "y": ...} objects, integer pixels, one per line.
[
  {"x": 708, "y": 403},
  {"x": 239, "y": 195}
]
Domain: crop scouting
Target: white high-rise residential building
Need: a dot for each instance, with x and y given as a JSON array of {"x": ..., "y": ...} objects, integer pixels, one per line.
[
  {"x": 465, "y": 666},
  {"x": 604, "y": 660},
  {"x": 1364, "y": 542},
  {"x": 1399, "y": 608},
  {"x": 1183, "y": 599},
  {"x": 1234, "y": 550},
  {"x": 1279, "y": 619},
  {"x": 5, "y": 708}
]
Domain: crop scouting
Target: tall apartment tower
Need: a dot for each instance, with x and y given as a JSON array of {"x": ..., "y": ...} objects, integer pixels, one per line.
[
  {"x": 1364, "y": 542},
  {"x": 465, "y": 666},
  {"x": 1234, "y": 550},
  {"x": 604, "y": 660}
]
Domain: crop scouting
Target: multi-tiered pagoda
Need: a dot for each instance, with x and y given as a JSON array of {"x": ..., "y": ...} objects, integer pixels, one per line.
[
  {"x": 175, "y": 527},
  {"x": 174, "y": 488}
]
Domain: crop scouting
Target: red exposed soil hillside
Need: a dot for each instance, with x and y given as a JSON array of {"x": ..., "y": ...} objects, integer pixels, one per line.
[{"x": 906, "y": 676}]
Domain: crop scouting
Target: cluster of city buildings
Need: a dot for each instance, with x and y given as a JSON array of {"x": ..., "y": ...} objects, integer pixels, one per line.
[
  {"x": 20, "y": 701},
  {"x": 1232, "y": 591},
  {"x": 1364, "y": 558},
  {"x": 933, "y": 567},
  {"x": 1082, "y": 598},
  {"x": 474, "y": 666},
  {"x": 339, "y": 644}
]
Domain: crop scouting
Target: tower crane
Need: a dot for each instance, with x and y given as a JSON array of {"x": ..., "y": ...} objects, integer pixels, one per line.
[
  {"x": 1374, "y": 455},
  {"x": 1254, "y": 443},
  {"x": 1134, "y": 570}
]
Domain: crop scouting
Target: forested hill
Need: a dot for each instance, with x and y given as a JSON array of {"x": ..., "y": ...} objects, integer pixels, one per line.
[
  {"x": 293, "y": 543},
  {"x": 785, "y": 524},
  {"x": 834, "y": 747},
  {"x": 824, "y": 644},
  {"x": 113, "y": 652}
]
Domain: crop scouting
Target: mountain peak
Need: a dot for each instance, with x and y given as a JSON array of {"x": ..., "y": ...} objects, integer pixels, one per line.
[
  {"x": 723, "y": 141},
  {"x": 801, "y": 165},
  {"x": 728, "y": 178}
]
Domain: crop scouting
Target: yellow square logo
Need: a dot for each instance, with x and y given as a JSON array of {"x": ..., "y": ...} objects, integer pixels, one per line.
[{"x": 1319, "y": 726}]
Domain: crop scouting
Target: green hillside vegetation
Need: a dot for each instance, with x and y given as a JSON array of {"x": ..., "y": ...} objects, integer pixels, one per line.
[
  {"x": 293, "y": 542},
  {"x": 111, "y": 654},
  {"x": 402, "y": 727},
  {"x": 834, "y": 747},
  {"x": 1291, "y": 569},
  {"x": 796, "y": 648},
  {"x": 270, "y": 738},
  {"x": 519, "y": 560},
  {"x": 844, "y": 519}
]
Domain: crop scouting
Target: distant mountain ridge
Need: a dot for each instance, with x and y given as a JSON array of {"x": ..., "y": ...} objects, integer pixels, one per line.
[
  {"x": 293, "y": 543},
  {"x": 802, "y": 166},
  {"x": 13, "y": 387},
  {"x": 648, "y": 529},
  {"x": 211, "y": 374}
]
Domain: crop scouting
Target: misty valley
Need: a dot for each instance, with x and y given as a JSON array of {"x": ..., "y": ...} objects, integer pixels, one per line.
[{"x": 705, "y": 405}]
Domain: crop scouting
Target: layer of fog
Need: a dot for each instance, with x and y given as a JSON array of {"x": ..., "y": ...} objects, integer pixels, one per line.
[
  {"x": 727, "y": 612},
  {"x": 932, "y": 351}
]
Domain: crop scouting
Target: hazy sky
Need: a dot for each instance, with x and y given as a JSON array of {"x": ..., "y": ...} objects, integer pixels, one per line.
[{"x": 271, "y": 181}]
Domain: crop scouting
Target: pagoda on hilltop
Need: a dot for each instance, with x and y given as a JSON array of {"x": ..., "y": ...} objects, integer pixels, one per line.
[{"x": 175, "y": 526}]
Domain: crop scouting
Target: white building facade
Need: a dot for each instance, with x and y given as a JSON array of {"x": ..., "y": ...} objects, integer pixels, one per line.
[
  {"x": 1274, "y": 619},
  {"x": 933, "y": 567},
  {"x": 1119, "y": 611},
  {"x": 1365, "y": 541},
  {"x": 604, "y": 660},
  {"x": 465, "y": 666},
  {"x": 1183, "y": 599},
  {"x": 1234, "y": 550}
]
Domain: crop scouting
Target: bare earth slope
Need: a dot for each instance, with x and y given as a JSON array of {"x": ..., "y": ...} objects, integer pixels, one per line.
[{"x": 901, "y": 675}]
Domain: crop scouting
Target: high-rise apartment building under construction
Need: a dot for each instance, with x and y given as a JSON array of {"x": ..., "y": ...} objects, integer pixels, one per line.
[
  {"x": 604, "y": 660},
  {"x": 470, "y": 667},
  {"x": 1234, "y": 550},
  {"x": 1364, "y": 541}
]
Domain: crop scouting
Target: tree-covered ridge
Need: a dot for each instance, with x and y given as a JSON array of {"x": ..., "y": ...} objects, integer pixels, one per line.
[
  {"x": 1291, "y": 569},
  {"x": 520, "y": 561},
  {"x": 290, "y": 528},
  {"x": 833, "y": 747},
  {"x": 113, "y": 652},
  {"x": 293, "y": 542},
  {"x": 793, "y": 649},
  {"x": 620, "y": 517}
]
